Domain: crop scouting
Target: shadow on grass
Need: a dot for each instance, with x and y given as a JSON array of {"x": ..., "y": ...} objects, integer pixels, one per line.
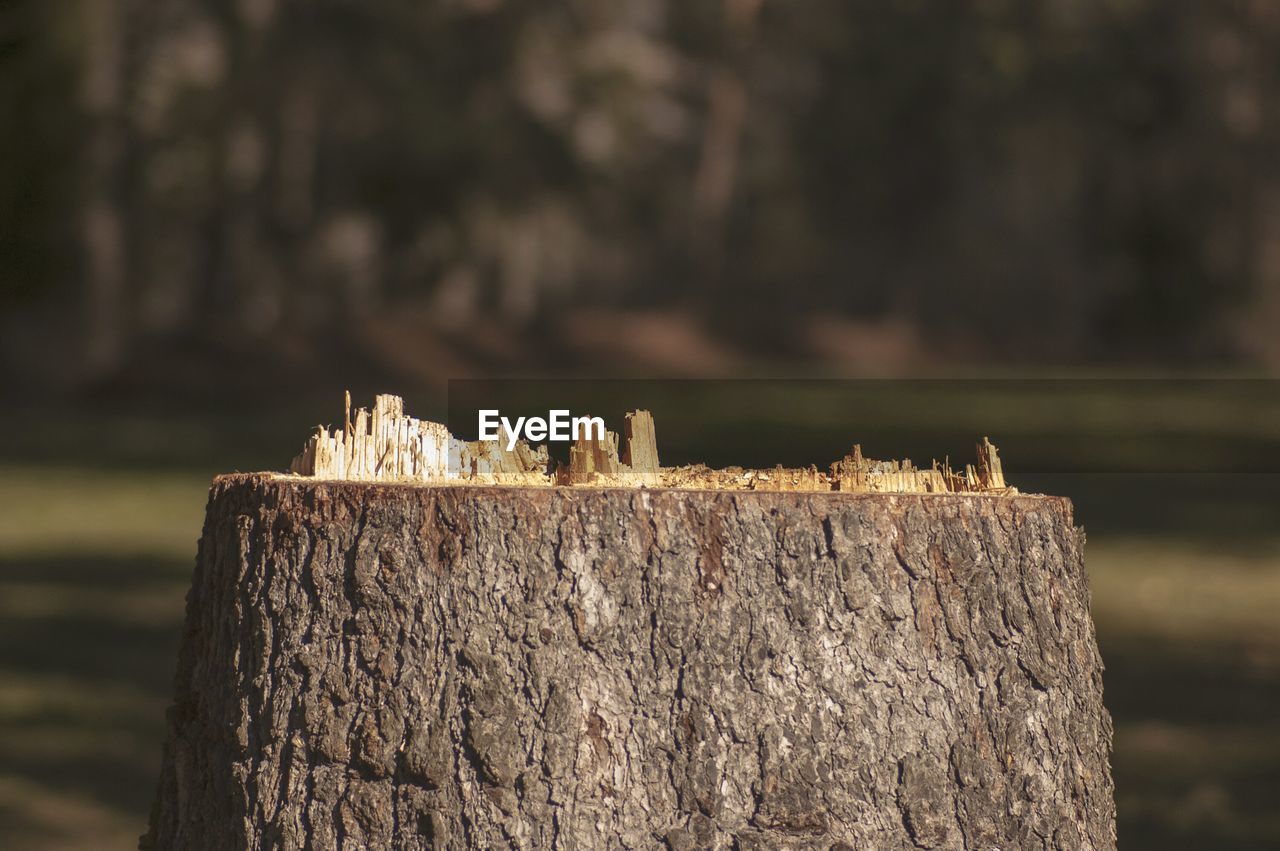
[
  {"x": 85, "y": 680},
  {"x": 98, "y": 571},
  {"x": 1197, "y": 746}
]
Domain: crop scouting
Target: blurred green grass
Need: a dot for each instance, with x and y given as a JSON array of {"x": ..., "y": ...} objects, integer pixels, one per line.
[
  {"x": 94, "y": 568},
  {"x": 98, "y": 529}
]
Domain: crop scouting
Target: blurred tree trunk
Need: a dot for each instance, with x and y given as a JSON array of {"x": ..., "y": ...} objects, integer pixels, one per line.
[
  {"x": 718, "y": 164},
  {"x": 102, "y": 222},
  {"x": 1258, "y": 324},
  {"x": 218, "y": 287},
  {"x": 373, "y": 666}
]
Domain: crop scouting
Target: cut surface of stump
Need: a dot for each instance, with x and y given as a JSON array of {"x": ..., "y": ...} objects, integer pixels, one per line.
[{"x": 373, "y": 665}]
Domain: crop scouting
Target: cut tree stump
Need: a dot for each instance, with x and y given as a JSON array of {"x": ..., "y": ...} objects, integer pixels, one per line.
[{"x": 371, "y": 665}]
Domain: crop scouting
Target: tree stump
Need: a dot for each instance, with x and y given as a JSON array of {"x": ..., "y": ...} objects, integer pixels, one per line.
[{"x": 369, "y": 665}]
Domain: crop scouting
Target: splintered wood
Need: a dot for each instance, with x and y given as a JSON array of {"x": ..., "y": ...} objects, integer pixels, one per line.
[
  {"x": 597, "y": 462},
  {"x": 387, "y": 446}
]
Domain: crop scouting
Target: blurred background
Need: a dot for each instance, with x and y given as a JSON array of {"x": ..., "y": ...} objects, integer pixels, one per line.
[{"x": 215, "y": 215}]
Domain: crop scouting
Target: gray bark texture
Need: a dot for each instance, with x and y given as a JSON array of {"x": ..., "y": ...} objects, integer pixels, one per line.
[{"x": 381, "y": 666}]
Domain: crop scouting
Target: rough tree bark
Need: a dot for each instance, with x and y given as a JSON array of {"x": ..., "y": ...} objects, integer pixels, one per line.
[{"x": 483, "y": 667}]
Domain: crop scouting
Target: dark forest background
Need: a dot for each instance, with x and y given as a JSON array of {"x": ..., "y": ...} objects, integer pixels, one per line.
[
  {"x": 457, "y": 186},
  {"x": 216, "y": 215}
]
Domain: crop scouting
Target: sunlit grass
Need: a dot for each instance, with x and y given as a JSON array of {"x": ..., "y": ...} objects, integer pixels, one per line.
[
  {"x": 60, "y": 511},
  {"x": 1180, "y": 590}
]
